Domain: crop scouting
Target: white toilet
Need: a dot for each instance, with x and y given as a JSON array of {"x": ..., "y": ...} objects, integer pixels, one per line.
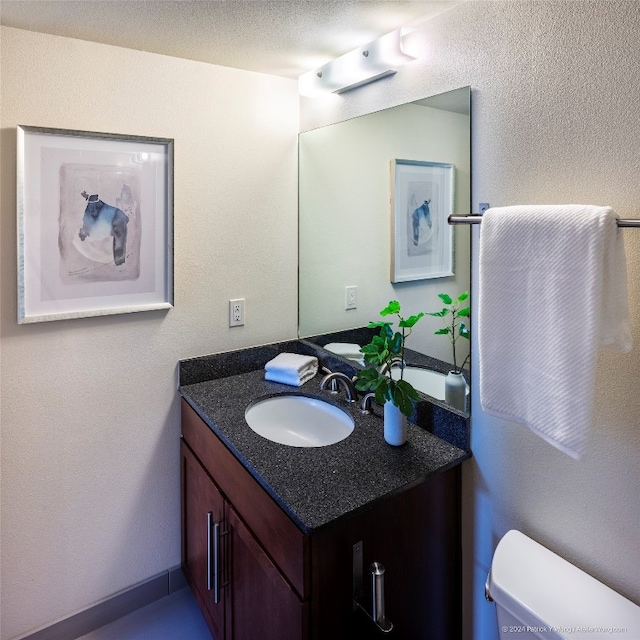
[{"x": 540, "y": 596}]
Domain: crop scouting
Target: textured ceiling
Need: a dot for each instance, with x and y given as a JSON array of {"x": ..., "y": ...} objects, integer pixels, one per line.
[{"x": 279, "y": 37}]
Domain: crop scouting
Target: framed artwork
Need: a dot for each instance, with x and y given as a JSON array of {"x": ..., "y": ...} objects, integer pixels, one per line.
[
  {"x": 95, "y": 224},
  {"x": 421, "y": 237}
]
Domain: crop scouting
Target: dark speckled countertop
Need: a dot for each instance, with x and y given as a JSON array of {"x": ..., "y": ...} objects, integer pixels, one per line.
[{"x": 317, "y": 486}]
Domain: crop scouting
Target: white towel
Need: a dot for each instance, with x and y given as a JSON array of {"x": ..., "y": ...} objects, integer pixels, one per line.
[
  {"x": 552, "y": 291},
  {"x": 348, "y": 350},
  {"x": 291, "y": 368}
]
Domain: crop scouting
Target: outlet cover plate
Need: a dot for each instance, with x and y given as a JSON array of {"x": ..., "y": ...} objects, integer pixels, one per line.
[
  {"x": 351, "y": 297},
  {"x": 236, "y": 312}
]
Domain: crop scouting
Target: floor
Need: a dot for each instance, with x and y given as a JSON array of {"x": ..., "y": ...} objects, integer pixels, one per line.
[{"x": 175, "y": 617}]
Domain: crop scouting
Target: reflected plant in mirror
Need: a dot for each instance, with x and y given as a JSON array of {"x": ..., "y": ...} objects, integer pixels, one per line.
[
  {"x": 452, "y": 315},
  {"x": 384, "y": 350}
]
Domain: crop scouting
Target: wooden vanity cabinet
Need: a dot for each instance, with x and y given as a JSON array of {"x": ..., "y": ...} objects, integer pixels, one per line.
[
  {"x": 254, "y": 595},
  {"x": 279, "y": 584},
  {"x": 202, "y": 507}
]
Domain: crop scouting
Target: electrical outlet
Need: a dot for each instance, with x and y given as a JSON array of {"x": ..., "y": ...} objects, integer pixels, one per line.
[
  {"x": 351, "y": 297},
  {"x": 236, "y": 312}
]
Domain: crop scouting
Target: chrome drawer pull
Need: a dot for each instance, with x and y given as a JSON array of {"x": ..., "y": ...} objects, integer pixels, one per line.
[{"x": 213, "y": 557}]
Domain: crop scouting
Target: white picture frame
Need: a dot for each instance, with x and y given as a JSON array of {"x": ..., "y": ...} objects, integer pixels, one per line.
[
  {"x": 422, "y": 198},
  {"x": 95, "y": 223}
]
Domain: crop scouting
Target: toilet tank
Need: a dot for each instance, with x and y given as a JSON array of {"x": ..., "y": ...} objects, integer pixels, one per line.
[{"x": 538, "y": 594}]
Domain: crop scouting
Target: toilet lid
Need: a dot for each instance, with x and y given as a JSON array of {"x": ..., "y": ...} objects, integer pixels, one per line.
[{"x": 541, "y": 589}]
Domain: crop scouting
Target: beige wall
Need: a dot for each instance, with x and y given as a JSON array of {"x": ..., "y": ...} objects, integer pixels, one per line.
[
  {"x": 90, "y": 425},
  {"x": 555, "y": 94}
]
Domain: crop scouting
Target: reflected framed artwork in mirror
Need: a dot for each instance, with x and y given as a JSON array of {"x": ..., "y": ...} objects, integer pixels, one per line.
[{"x": 421, "y": 237}]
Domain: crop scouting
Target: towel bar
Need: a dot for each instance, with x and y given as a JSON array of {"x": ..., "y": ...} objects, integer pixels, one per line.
[{"x": 476, "y": 218}]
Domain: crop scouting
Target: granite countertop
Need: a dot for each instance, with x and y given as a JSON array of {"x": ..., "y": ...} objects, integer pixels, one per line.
[{"x": 318, "y": 486}]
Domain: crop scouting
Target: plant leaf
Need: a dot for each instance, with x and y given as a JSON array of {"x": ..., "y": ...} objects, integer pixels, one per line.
[
  {"x": 463, "y": 296},
  {"x": 367, "y": 379},
  {"x": 442, "y": 332},
  {"x": 386, "y": 332},
  {"x": 406, "y": 406},
  {"x": 395, "y": 346},
  {"x": 391, "y": 308},
  {"x": 369, "y": 374},
  {"x": 445, "y": 298},
  {"x": 380, "y": 323},
  {"x": 402, "y": 394},
  {"x": 410, "y": 321},
  {"x": 381, "y": 394},
  {"x": 407, "y": 389},
  {"x": 465, "y": 313}
]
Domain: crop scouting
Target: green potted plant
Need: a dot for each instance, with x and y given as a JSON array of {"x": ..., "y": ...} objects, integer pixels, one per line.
[
  {"x": 396, "y": 396},
  {"x": 454, "y": 314}
]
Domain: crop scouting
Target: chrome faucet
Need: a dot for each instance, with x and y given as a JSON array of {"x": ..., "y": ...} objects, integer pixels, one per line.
[
  {"x": 367, "y": 401},
  {"x": 397, "y": 361},
  {"x": 334, "y": 384},
  {"x": 339, "y": 377}
]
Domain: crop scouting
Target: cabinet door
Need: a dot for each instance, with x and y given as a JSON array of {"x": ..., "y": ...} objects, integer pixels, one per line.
[
  {"x": 202, "y": 509},
  {"x": 262, "y": 604},
  {"x": 416, "y": 536}
]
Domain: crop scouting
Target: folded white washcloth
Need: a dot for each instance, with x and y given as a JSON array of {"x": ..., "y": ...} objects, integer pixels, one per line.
[
  {"x": 348, "y": 350},
  {"x": 552, "y": 291},
  {"x": 291, "y": 368},
  {"x": 293, "y": 379}
]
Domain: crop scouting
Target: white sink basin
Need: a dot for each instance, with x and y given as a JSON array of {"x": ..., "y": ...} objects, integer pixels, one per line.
[
  {"x": 298, "y": 421},
  {"x": 425, "y": 380}
]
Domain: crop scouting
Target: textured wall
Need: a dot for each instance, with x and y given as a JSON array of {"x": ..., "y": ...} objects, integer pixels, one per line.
[
  {"x": 555, "y": 93},
  {"x": 90, "y": 422}
]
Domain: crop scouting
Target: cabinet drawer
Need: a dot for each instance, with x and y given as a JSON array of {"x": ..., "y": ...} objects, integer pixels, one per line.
[{"x": 282, "y": 540}]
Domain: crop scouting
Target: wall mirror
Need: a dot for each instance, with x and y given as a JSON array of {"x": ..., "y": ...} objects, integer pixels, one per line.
[{"x": 348, "y": 201}]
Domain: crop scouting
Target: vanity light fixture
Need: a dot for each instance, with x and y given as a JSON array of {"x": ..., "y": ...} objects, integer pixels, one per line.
[{"x": 365, "y": 64}]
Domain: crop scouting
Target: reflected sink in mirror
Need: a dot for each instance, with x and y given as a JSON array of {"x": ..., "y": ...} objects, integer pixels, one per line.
[
  {"x": 298, "y": 421},
  {"x": 424, "y": 380}
]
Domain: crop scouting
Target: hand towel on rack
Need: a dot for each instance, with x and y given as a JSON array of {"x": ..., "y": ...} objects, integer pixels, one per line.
[
  {"x": 291, "y": 368},
  {"x": 552, "y": 291}
]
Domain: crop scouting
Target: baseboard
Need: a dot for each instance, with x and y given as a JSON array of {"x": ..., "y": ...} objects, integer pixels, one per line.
[{"x": 114, "y": 607}]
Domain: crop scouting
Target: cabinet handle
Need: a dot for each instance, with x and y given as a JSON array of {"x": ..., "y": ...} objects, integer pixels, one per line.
[
  {"x": 209, "y": 569},
  {"x": 377, "y": 598},
  {"x": 216, "y": 563},
  {"x": 377, "y": 593},
  {"x": 377, "y": 614},
  {"x": 213, "y": 557}
]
